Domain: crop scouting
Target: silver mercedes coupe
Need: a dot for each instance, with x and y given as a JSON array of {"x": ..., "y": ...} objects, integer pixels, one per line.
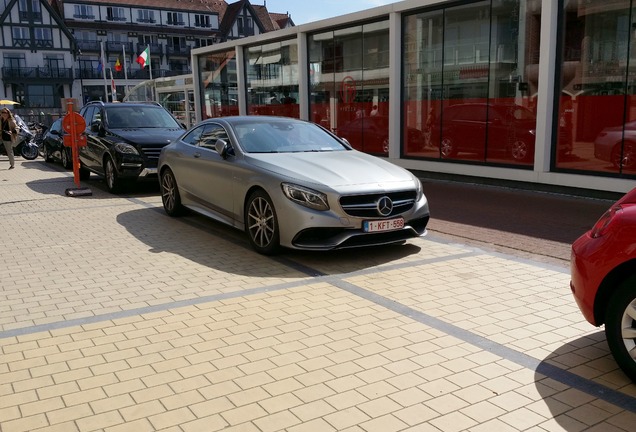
[{"x": 290, "y": 183}]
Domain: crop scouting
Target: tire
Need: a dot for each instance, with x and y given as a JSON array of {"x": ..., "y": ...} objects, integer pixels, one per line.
[
  {"x": 448, "y": 149},
  {"x": 170, "y": 194},
  {"x": 261, "y": 223},
  {"x": 519, "y": 150},
  {"x": 46, "y": 154},
  {"x": 113, "y": 183},
  {"x": 67, "y": 161},
  {"x": 29, "y": 152},
  {"x": 620, "y": 326}
]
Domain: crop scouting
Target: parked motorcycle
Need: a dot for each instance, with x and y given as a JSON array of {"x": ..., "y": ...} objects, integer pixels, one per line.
[{"x": 25, "y": 145}]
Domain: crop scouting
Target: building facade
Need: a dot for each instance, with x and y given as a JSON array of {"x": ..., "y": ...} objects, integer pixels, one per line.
[
  {"x": 54, "y": 49},
  {"x": 525, "y": 90}
]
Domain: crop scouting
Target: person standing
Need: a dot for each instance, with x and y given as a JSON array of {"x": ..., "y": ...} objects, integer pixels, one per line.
[{"x": 9, "y": 130}]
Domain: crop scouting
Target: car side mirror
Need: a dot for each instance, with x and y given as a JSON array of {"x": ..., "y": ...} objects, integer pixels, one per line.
[
  {"x": 96, "y": 127},
  {"x": 222, "y": 148}
]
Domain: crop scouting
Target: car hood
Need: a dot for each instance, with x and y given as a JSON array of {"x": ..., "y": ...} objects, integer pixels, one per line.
[
  {"x": 333, "y": 169},
  {"x": 146, "y": 136}
]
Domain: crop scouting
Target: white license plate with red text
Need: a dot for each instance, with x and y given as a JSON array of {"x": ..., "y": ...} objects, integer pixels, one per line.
[{"x": 383, "y": 225}]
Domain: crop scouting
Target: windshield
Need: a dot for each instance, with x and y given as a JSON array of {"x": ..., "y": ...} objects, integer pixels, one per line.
[
  {"x": 284, "y": 136},
  {"x": 142, "y": 116}
]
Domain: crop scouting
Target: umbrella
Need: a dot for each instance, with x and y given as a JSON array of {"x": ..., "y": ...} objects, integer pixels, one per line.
[{"x": 8, "y": 102}]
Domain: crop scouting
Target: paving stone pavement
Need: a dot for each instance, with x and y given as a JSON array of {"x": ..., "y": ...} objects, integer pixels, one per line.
[{"x": 115, "y": 317}]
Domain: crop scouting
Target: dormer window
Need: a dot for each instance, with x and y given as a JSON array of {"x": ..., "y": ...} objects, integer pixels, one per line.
[
  {"x": 145, "y": 16},
  {"x": 115, "y": 14},
  {"x": 175, "y": 18},
  {"x": 202, "y": 20},
  {"x": 83, "y": 12}
]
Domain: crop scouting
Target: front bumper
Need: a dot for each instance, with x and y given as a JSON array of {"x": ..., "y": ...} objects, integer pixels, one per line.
[
  {"x": 134, "y": 166},
  {"x": 584, "y": 278},
  {"x": 303, "y": 228},
  {"x": 341, "y": 238}
]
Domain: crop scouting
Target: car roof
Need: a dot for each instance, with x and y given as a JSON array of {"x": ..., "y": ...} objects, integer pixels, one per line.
[{"x": 253, "y": 119}]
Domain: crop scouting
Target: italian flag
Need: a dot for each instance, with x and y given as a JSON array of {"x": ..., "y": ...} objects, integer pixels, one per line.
[{"x": 142, "y": 58}]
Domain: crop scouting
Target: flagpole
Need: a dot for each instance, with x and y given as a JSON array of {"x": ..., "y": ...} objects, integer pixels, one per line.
[
  {"x": 149, "y": 62},
  {"x": 152, "y": 88},
  {"x": 123, "y": 51},
  {"x": 113, "y": 89},
  {"x": 101, "y": 45}
]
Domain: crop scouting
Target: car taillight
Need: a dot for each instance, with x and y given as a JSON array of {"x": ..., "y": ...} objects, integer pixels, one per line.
[{"x": 600, "y": 227}]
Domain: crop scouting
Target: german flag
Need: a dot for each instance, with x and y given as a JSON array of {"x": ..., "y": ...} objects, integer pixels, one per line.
[{"x": 118, "y": 66}]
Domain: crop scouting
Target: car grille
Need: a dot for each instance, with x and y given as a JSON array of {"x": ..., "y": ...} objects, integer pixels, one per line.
[
  {"x": 366, "y": 206},
  {"x": 151, "y": 153}
]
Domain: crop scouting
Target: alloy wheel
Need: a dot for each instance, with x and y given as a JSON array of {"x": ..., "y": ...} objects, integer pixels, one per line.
[
  {"x": 261, "y": 222},
  {"x": 628, "y": 328},
  {"x": 168, "y": 191}
]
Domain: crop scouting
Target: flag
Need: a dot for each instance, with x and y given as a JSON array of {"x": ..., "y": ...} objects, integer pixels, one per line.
[
  {"x": 118, "y": 66},
  {"x": 144, "y": 57},
  {"x": 100, "y": 65}
]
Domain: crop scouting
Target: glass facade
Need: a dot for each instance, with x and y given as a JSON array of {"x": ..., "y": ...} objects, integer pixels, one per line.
[
  {"x": 219, "y": 84},
  {"x": 596, "y": 105},
  {"x": 473, "y": 88},
  {"x": 470, "y": 80},
  {"x": 272, "y": 79},
  {"x": 349, "y": 84}
]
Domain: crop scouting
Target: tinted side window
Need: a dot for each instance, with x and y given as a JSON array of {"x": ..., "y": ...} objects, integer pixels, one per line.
[
  {"x": 194, "y": 135},
  {"x": 57, "y": 126},
  {"x": 212, "y": 133},
  {"x": 88, "y": 114}
]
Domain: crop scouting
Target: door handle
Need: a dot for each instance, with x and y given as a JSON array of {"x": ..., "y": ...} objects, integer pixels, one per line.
[{"x": 197, "y": 155}]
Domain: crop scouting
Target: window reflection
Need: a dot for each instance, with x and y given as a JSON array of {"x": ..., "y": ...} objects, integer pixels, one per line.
[
  {"x": 272, "y": 79},
  {"x": 469, "y": 82},
  {"x": 349, "y": 82},
  {"x": 597, "y": 109},
  {"x": 219, "y": 84}
]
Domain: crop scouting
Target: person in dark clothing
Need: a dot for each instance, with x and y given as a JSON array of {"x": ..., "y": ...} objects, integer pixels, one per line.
[{"x": 9, "y": 130}]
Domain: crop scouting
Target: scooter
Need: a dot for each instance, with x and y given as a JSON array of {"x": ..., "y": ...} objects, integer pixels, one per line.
[{"x": 25, "y": 145}]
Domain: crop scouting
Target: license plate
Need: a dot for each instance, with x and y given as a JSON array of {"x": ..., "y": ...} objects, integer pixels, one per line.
[{"x": 383, "y": 225}]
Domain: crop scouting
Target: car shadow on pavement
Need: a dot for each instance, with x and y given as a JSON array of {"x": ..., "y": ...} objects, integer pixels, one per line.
[
  {"x": 216, "y": 245},
  {"x": 577, "y": 373},
  {"x": 58, "y": 186}
]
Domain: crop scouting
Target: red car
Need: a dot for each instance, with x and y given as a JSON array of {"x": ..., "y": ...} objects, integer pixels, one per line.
[{"x": 603, "y": 272}]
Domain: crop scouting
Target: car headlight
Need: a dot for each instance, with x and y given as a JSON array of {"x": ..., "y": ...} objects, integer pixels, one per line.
[
  {"x": 419, "y": 192},
  {"x": 126, "y": 148},
  {"x": 601, "y": 226},
  {"x": 305, "y": 196}
]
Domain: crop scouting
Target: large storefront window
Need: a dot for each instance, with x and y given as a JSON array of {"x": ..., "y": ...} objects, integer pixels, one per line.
[
  {"x": 219, "y": 84},
  {"x": 470, "y": 80},
  {"x": 272, "y": 79},
  {"x": 349, "y": 84},
  {"x": 597, "y": 106}
]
